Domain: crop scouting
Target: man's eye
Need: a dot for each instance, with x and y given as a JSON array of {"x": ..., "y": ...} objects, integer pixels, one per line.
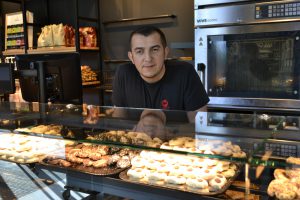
[
  {"x": 155, "y": 49},
  {"x": 139, "y": 52}
]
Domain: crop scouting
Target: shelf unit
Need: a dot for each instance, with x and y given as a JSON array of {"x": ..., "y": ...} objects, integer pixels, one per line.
[{"x": 76, "y": 20}]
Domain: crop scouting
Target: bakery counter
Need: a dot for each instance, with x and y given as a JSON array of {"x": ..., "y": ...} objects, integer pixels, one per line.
[{"x": 158, "y": 154}]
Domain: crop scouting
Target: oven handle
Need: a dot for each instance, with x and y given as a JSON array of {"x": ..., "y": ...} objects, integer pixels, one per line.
[{"x": 201, "y": 72}]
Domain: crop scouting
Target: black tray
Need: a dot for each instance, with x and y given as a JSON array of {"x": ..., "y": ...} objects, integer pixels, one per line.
[
  {"x": 184, "y": 188},
  {"x": 103, "y": 171}
]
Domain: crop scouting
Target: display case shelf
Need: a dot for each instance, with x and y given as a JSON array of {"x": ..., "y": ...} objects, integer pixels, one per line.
[{"x": 158, "y": 136}]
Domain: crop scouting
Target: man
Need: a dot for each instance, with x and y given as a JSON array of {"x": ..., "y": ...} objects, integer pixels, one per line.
[{"x": 151, "y": 82}]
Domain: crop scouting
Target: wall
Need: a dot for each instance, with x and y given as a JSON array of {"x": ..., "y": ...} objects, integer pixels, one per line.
[{"x": 179, "y": 30}]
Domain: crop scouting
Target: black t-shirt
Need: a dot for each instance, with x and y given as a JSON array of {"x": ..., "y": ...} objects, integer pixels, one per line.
[{"x": 179, "y": 89}]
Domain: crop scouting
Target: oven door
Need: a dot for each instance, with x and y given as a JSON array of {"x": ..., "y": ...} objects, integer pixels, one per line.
[{"x": 251, "y": 65}]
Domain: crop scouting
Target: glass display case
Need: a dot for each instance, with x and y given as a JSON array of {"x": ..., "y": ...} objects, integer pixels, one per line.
[{"x": 147, "y": 154}]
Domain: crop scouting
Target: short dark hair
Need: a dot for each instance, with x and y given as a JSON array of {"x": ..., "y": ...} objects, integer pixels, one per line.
[{"x": 146, "y": 31}]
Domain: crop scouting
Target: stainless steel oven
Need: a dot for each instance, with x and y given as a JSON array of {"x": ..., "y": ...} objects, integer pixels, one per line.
[{"x": 249, "y": 53}]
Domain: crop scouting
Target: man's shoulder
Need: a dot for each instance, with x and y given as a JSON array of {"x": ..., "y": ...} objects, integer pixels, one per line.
[
  {"x": 127, "y": 67},
  {"x": 181, "y": 66}
]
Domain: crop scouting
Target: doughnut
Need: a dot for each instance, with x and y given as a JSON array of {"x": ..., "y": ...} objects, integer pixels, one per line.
[
  {"x": 228, "y": 173},
  {"x": 171, "y": 159},
  {"x": 232, "y": 166},
  {"x": 184, "y": 160},
  {"x": 177, "y": 170},
  {"x": 239, "y": 154},
  {"x": 273, "y": 186},
  {"x": 197, "y": 183},
  {"x": 293, "y": 160},
  {"x": 144, "y": 154},
  {"x": 166, "y": 146},
  {"x": 287, "y": 191},
  {"x": 137, "y": 162},
  {"x": 152, "y": 164},
  {"x": 217, "y": 183},
  {"x": 163, "y": 167},
  {"x": 198, "y": 162},
  {"x": 137, "y": 173},
  {"x": 292, "y": 173},
  {"x": 210, "y": 162},
  {"x": 236, "y": 148},
  {"x": 206, "y": 174},
  {"x": 222, "y": 166},
  {"x": 280, "y": 174},
  {"x": 190, "y": 172},
  {"x": 177, "y": 180},
  {"x": 156, "y": 176}
]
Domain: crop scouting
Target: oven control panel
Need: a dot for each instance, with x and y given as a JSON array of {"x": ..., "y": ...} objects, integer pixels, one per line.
[
  {"x": 267, "y": 11},
  {"x": 279, "y": 149}
]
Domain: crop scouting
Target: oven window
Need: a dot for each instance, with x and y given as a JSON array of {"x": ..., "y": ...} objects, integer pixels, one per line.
[{"x": 264, "y": 65}]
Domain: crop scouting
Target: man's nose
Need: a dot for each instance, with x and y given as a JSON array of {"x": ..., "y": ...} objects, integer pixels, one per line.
[{"x": 148, "y": 56}]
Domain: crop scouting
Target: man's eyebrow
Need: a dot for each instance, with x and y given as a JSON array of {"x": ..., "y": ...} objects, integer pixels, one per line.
[
  {"x": 155, "y": 46},
  {"x": 138, "y": 48}
]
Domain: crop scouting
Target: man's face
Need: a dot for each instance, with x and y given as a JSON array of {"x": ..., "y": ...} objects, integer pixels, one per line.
[{"x": 148, "y": 55}]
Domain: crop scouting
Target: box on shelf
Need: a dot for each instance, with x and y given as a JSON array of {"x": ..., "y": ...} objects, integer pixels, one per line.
[{"x": 14, "y": 31}]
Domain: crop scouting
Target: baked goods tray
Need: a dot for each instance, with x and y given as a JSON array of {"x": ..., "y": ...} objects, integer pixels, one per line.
[
  {"x": 123, "y": 175},
  {"x": 77, "y": 133},
  {"x": 103, "y": 171},
  {"x": 20, "y": 160}
]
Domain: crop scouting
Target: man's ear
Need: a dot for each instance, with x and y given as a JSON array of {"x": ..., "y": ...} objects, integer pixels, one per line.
[
  {"x": 167, "y": 50},
  {"x": 130, "y": 56}
]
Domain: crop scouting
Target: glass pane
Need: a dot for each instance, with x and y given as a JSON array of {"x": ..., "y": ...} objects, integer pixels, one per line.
[{"x": 254, "y": 65}]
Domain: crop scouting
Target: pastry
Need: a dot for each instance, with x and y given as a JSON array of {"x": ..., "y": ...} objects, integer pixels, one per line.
[
  {"x": 197, "y": 183},
  {"x": 217, "y": 183}
]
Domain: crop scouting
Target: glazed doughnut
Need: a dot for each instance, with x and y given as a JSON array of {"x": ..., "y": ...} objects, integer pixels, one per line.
[
  {"x": 137, "y": 173},
  {"x": 177, "y": 180},
  {"x": 206, "y": 174},
  {"x": 197, "y": 183},
  {"x": 273, "y": 186},
  {"x": 280, "y": 174},
  {"x": 292, "y": 173},
  {"x": 229, "y": 173},
  {"x": 217, "y": 183},
  {"x": 287, "y": 191}
]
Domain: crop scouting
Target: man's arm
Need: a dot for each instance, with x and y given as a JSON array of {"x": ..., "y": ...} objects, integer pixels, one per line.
[{"x": 192, "y": 114}]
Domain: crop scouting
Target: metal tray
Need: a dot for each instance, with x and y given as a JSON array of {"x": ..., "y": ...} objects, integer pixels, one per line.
[
  {"x": 184, "y": 188},
  {"x": 103, "y": 171}
]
